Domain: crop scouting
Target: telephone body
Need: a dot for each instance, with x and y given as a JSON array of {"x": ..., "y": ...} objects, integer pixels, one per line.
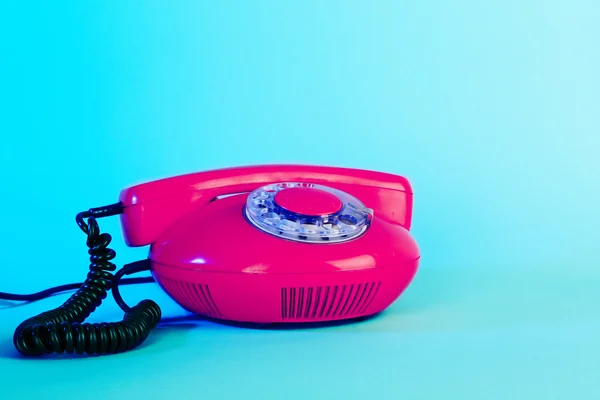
[{"x": 213, "y": 259}]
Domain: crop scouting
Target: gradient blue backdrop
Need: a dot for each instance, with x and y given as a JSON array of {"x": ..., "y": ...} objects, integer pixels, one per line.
[{"x": 491, "y": 109}]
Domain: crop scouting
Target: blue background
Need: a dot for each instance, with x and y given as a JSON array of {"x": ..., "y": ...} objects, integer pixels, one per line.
[{"x": 489, "y": 108}]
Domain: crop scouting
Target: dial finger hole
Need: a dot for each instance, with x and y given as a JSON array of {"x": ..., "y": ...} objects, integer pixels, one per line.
[
  {"x": 271, "y": 216},
  {"x": 287, "y": 224},
  {"x": 330, "y": 225},
  {"x": 309, "y": 227},
  {"x": 348, "y": 219}
]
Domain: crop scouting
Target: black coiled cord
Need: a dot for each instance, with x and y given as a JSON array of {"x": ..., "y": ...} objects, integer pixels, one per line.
[{"x": 61, "y": 330}]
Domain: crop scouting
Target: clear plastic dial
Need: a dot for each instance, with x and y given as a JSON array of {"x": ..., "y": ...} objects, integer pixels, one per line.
[{"x": 349, "y": 222}]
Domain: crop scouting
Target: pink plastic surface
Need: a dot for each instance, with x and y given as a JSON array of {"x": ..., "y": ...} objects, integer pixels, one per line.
[
  {"x": 308, "y": 201},
  {"x": 213, "y": 262}
]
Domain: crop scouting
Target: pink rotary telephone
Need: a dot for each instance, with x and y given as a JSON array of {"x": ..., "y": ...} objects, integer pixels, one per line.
[{"x": 258, "y": 244}]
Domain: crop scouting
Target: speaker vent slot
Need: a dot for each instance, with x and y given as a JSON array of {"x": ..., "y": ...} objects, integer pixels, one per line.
[
  {"x": 193, "y": 297},
  {"x": 324, "y": 302}
]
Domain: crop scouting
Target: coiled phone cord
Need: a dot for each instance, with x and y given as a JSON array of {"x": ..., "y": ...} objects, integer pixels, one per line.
[{"x": 62, "y": 329}]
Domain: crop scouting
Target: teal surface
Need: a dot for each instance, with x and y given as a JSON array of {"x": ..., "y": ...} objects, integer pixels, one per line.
[{"x": 489, "y": 108}]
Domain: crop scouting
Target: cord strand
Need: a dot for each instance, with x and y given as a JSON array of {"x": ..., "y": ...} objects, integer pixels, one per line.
[
  {"x": 62, "y": 330},
  {"x": 65, "y": 288}
]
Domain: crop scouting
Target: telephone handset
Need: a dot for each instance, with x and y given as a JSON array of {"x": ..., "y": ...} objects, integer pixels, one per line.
[
  {"x": 151, "y": 207},
  {"x": 256, "y": 244}
]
